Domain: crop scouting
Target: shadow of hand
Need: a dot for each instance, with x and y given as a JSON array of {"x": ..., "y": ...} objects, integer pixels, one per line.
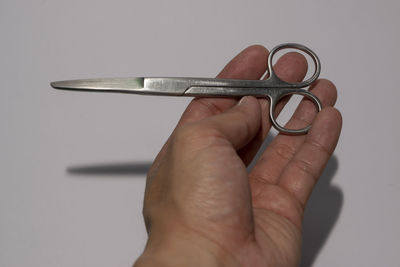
[
  {"x": 117, "y": 169},
  {"x": 321, "y": 214}
]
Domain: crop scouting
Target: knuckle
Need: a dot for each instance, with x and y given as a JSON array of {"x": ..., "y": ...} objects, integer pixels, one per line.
[
  {"x": 194, "y": 136},
  {"x": 185, "y": 133},
  {"x": 336, "y": 113},
  {"x": 326, "y": 90},
  {"x": 283, "y": 150},
  {"x": 209, "y": 105},
  {"x": 327, "y": 83},
  {"x": 305, "y": 167},
  {"x": 304, "y": 119},
  {"x": 319, "y": 147},
  {"x": 245, "y": 128}
]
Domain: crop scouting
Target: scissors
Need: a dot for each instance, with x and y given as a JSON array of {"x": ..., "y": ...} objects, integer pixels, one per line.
[{"x": 273, "y": 87}]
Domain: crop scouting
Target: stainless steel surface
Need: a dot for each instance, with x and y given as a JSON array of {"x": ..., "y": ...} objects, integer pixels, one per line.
[
  {"x": 273, "y": 88},
  {"x": 102, "y": 84}
]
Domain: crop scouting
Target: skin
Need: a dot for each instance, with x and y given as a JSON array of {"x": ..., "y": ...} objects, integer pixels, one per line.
[{"x": 203, "y": 208}]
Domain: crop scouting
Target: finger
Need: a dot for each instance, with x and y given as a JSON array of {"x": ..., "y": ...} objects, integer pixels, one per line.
[
  {"x": 304, "y": 169},
  {"x": 250, "y": 64},
  {"x": 237, "y": 125},
  {"x": 287, "y": 195},
  {"x": 274, "y": 159},
  {"x": 291, "y": 67}
]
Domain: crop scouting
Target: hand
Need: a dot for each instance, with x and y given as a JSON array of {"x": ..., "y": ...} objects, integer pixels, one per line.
[{"x": 202, "y": 207}]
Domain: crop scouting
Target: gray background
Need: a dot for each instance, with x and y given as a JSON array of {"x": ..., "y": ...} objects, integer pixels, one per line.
[{"x": 72, "y": 165}]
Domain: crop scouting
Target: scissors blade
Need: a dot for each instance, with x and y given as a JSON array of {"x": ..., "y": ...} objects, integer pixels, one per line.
[{"x": 146, "y": 86}]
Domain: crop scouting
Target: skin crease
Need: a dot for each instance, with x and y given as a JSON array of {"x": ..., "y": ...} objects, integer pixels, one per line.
[{"x": 202, "y": 207}]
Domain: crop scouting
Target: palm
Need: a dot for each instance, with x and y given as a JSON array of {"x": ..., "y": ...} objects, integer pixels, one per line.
[
  {"x": 261, "y": 225},
  {"x": 267, "y": 236}
]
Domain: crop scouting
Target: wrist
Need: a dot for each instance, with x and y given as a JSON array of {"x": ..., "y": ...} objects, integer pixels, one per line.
[
  {"x": 176, "y": 257},
  {"x": 183, "y": 249}
]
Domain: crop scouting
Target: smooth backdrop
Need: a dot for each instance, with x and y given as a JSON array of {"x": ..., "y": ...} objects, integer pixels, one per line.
[{"x": 73, "y": 165}]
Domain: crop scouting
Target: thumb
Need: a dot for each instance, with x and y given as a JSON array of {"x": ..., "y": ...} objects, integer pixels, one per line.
[{"x": 239, "y": 124}]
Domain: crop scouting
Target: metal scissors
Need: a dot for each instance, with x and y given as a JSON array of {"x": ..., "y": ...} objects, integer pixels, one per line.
[{"x": 272, "y": 88}]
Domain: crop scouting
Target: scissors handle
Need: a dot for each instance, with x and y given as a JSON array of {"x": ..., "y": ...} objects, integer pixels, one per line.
[
  {"x": 275, "y": 98},
  {"x": 274, "y": 79},
  {"x": 278, "y": 95}
]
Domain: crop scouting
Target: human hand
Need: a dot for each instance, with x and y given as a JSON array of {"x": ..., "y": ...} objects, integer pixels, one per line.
[{"x": 202, "y": 207}]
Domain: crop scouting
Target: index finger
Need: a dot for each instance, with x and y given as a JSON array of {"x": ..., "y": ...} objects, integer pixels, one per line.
[{"x": 250, "y": 64}]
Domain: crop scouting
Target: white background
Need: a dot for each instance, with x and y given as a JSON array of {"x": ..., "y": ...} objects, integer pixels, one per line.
[{"x": 72, "y": 165}]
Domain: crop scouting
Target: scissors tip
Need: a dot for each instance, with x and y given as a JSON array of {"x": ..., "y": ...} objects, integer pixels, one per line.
[
  {"x": 54, "y": 85},
  {"x": 103, "y": 84},
  {"x": 61, "y": 85}
]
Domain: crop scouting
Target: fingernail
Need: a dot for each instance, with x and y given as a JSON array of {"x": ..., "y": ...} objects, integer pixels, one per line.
[{"x": 243, "y": 100}]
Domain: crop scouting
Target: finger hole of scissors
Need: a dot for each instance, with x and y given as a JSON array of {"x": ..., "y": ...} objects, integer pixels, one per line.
[
  {"x": 309, "y": 55},
  {"x": 296, "y": 111}
]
